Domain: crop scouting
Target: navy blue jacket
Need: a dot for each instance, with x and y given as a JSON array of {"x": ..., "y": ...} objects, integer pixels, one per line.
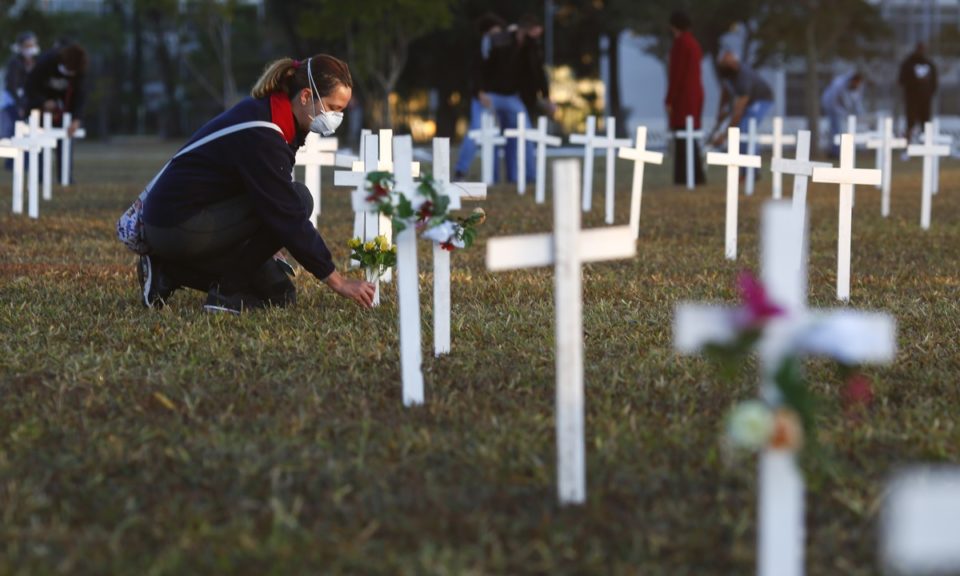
[{"x": 255, "y": 161}]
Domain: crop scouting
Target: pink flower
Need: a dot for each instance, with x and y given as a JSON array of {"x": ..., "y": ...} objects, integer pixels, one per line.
[
  {"x": 757, "y": 307},
  {"x": 858, "y": 394}
]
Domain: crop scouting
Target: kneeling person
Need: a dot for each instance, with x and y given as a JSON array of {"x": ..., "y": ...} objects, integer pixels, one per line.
[{"x": 218, "y": 214}]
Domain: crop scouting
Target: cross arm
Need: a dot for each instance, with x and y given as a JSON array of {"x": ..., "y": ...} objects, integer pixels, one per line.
[
  {"x": 696, "y": 325},
  {"x": 851, "y": 337},
  {"x": 640, "y": 155},
  {"x": 739, "y": 160},
  {"x": 863, "y": 177},
  {"x": 514, "y": 252},
  {"x": 796, "y": 167}
]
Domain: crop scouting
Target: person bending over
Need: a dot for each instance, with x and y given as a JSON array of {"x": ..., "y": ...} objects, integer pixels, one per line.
[{"x": 217, "y": 215}]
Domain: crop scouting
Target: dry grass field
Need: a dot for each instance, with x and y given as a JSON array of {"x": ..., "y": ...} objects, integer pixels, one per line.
[{"x": 176, "y": 442}]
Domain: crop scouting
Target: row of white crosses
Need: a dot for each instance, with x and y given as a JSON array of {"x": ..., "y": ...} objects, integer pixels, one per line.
[
  {"x": 488, "y": 137},
  {"x": 862, "y": 338},
  {"x": 591, "y": 143},
  {"x": 31, "y": 139}
]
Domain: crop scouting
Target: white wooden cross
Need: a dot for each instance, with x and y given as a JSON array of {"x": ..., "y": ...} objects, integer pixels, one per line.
[
  {"x": 408, "y": 288},
  {"x": 408, "y": 281},
  {"x": 457, "y": 192},
  {"x": 34, "y": 142},
  {"x": 919, "y": 521},
  {"x": 776, "y": 141},
  {"x": 640, "y": 156},
  {"x": 62, "y": 135},
  {"x": 846, "y": 335},
  {"x": 751, "y": 179},
  {"x": 368, "y": 223},
  {"x": 14, "y": 148},
  {"x": 846, "y": 176},
  {"x": 802, "y": 169},
  {"x": 859, "y": 139},
  {"x": 568, "y": 248},
  {"x": 733, "y": 160},
  {"x": 939, "y": 138},
  {"x": 488, "y": 137},
  {"x": 66, "y": 150},
  {"x": 314, "y": 153},
  {"x": 608, "y": 144},
  {"x": 929, "y": 150},
  {"x": 689, "y": 136},
  {"x": 878, "y": 133},
  {"x": 520, "y": 133},
  {"x": 542, "y": 140},
  {"x": 886, "y": 143}
]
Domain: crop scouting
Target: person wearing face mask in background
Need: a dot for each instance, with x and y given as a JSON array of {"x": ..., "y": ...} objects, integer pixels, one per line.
[
  {"x": 14, "y": 102},
  {"x": 56, "y": 84},
  {"x": 217, "y": 214}
]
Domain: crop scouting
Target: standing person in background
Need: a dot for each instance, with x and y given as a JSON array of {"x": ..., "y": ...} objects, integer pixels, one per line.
[
  {"x": 918, "y": 77},
  {"x": 684, "y": 94},
  {"x": 25, "y": 52},
  {"x": 842, "y": 98},
  {"x": 534, "y": 84},
  {"x": 505, "y": 70},
  {"x": 488, "y": 25}
]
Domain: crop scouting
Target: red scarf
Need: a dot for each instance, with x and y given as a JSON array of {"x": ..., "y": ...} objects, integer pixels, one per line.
[{"x": 281, "y": 112}]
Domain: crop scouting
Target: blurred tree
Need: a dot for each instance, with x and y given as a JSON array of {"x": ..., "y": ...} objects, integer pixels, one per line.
[
  {"x": 377, "y": 35},
  {"x": 819, "y": 31}
]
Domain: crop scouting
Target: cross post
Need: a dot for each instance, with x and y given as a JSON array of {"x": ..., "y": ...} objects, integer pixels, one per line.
[
  {"x": 733, "y": 160},
  {"x": 457, "y": 192},
  {"x": 846, "y": 176},
  {"x": 886, "y": 143},
  {"x": 802, "y": 169},
  {"x": 640, "y": 156},
  {"x": 929, "y": 150},
  {"x": 488, "y": 137},
  {"x": 520, "y": 133},
  {"x": 776, "y": 141},
  {"x": 689, "y": 136},
  {"x": 853, "y": 337},
  {"x": 568, "y": 248},
  {"x": 315, "y": 153},
  {"x": 542, "y": 140}
]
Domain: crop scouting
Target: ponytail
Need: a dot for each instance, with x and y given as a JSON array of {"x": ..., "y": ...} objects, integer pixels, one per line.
[
  {"x": 290, "y": 76},
  {"x": 275, "y": 78}
]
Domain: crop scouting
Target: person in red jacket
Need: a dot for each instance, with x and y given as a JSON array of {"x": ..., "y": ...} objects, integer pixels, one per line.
[{"x": 685, "y": 94}]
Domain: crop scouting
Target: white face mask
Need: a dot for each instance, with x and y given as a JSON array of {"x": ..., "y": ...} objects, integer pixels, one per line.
[
  {"x": 325, "y": 123},
  {"x": 30, "y": 51}
]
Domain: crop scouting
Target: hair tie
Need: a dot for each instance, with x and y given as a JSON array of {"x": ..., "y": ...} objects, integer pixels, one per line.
[{"x": 296, "y": 64}]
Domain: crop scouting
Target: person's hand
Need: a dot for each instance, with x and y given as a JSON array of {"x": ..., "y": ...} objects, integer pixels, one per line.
[
  {"x": 72, "y": 129},
  {"x": 485, "y": 100},
  {"x": 359, "y": 291}
]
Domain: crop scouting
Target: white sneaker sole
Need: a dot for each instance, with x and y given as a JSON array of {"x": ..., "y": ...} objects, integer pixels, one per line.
[{"x": 220, "y": 309}]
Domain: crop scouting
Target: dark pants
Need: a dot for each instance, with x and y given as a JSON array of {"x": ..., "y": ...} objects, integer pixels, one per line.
[
  {"x": 918, "y": 113},
  {"x": 680, "y": 163},
  {"x": 226, "y": 244}
]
